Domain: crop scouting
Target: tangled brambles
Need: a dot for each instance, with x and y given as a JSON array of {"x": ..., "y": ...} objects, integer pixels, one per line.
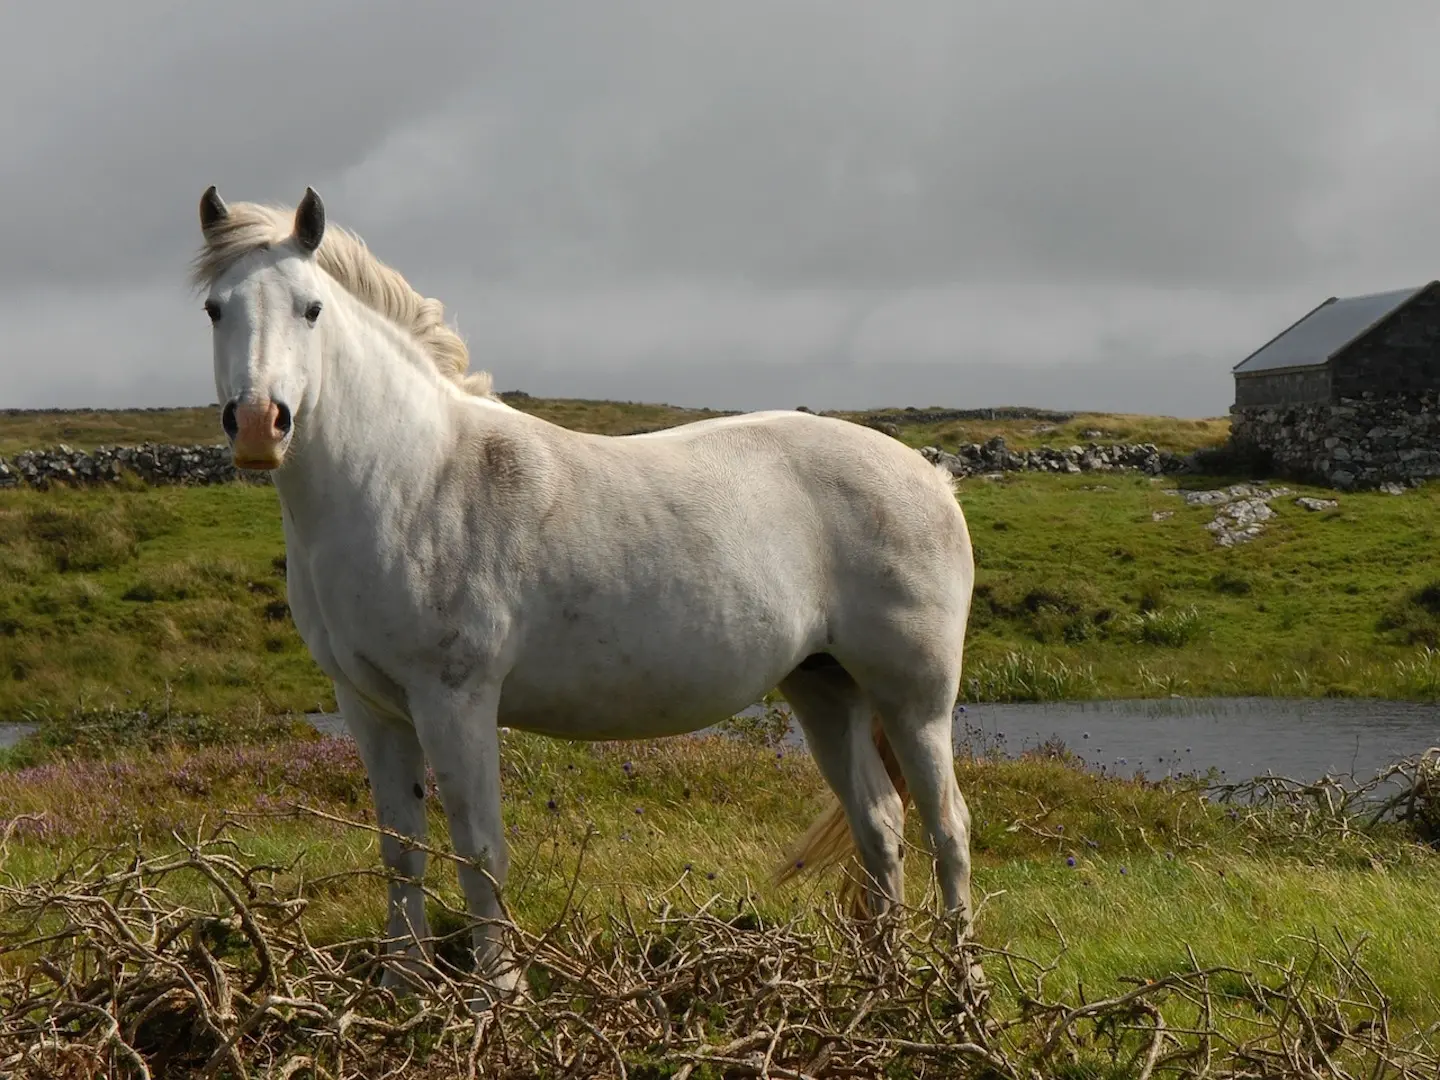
[
  {"x": 1404, "y": 794},
  {"x": 103, "y": 973}
]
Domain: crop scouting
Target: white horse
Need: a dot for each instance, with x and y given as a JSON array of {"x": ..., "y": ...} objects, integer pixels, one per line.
[{"x": 455, "y": 565}]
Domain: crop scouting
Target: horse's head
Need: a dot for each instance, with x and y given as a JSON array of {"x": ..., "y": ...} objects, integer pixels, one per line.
[{"x": 264, "y": 307}]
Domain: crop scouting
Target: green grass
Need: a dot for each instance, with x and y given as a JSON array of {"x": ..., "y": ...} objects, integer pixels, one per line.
[
  {"x": 1081, "y": 592},
  {"x": 1157, "y": 869},
  {"x": 165, "y": 596},
  {"x": 175, "y": 598}
]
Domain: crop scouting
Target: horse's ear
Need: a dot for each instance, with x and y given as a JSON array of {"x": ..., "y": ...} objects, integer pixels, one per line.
[
  {"x": 212, "y": 209},
  {"x": 310, "y": 221}
]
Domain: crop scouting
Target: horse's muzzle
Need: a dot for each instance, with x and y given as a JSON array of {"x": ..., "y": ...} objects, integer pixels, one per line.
[{"x": 259, "y": 433}]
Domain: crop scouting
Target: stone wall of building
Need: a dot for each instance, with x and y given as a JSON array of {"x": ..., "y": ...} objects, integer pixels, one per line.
[
  {"x": 1296, "y": 386},
  {"x": 1356, "y": 443}
]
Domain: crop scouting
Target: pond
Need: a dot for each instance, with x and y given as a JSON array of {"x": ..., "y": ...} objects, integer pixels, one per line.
[
  {"x": 1301, "y": 738},
  {"x": 1239, "y": 737}
]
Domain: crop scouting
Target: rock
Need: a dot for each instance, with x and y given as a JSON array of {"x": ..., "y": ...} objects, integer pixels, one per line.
[
  {"x": 1392, "y": 488},
  {"x": 1240, "y": 521},
  {"x": 1310, "y": 503},
  {"x": 1241, "y": 511},
  {"x": 1161, "y": 515}
]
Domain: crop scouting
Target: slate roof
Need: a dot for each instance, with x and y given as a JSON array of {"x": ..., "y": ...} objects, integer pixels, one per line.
[{"x": 1326, "y": 330}]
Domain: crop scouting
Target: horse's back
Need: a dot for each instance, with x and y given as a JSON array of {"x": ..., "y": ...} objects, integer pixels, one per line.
[{"x": 821, "y": 494}]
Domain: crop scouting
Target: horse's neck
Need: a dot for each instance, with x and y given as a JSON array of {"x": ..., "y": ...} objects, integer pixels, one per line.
[{"x": 376, "y": 437}]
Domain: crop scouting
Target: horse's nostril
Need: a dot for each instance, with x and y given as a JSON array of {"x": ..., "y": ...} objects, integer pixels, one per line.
[
  {"x": 282, "y": 418},
  {"x": 228, "y": 422}
]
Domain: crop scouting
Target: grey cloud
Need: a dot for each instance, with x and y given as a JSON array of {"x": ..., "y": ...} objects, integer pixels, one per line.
[
  {"x": 1112, "y": 199},
  {"x": 140, "y": 106}
]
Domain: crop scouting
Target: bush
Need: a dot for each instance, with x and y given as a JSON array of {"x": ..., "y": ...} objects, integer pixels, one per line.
[
  {"x": 1414, "y": 617},
  {"x": 1172, "y": 628}
]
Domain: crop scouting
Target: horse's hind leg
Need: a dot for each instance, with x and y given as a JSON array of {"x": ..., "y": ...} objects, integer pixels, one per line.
[
  {"x": 836, "y": 717},
  {"x": 917, "y": 712}
]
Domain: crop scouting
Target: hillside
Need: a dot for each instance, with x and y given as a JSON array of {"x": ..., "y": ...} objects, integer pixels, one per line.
[{"x": 932, "y": 426}]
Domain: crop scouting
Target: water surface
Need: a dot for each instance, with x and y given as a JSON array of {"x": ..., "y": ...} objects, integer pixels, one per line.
[
  {"x": 1303, "y": 738},
  {"x": 1238, "y": 737}
]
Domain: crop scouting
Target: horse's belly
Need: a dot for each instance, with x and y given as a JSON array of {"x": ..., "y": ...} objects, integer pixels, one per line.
[{"x": 628, "y": 691}]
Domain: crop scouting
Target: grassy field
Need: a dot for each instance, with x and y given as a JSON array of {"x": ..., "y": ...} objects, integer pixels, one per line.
[
  {"x": 176, "y": 597},
  {"x": 85, "y": 430}
]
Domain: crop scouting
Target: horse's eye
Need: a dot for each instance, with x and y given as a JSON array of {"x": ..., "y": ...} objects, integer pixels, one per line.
[
  {"x": 313, "y": 312},
  {"x": 213, "y": 310}
]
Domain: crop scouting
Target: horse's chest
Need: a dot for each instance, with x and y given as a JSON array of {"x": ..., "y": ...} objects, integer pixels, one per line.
[{"x": 343, "y": 612}]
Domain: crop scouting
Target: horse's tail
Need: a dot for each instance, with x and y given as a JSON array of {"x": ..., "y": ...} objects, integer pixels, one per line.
[{"x": 829, "y": 840}]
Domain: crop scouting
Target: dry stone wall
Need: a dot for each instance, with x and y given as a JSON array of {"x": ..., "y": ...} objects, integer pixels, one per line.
[
  {"x": 163, "y": 464},
  {"x": 1367, "y": 442},
  {"x": 153, "y": 463},
  {"x": 994, "y": 456}
]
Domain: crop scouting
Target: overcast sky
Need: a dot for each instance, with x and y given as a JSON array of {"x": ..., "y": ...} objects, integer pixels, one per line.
[{"x": 738, "y": 203}]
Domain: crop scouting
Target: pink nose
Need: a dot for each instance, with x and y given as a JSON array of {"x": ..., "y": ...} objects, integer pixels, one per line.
[{"x": 258, "y": 431}]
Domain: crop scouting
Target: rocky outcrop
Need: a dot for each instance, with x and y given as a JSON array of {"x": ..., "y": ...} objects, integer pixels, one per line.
[
  {"x": 1241, "y": 510},
  {"x": 153, "y": 463},
  {"x": 1369, "y": 442},
  {"x": 994, "y": 456}
]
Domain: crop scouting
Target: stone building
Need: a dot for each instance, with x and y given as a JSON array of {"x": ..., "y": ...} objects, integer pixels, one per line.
[{"x": 1347, "y": 394}]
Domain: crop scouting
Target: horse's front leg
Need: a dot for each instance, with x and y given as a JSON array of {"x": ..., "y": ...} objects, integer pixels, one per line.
[
  {"x": 396, "y": 767},
  {"x": 460, "y": 732}
]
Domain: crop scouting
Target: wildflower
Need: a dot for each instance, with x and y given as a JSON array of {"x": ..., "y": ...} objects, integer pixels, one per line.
[
  {"x": 550, "y": 805},
  {"x": 1123, "y": 870},
  {"x": 710, "y": 876},
  {"x": 639, "y": 810},
  {"x": 1070, "y": 861}
]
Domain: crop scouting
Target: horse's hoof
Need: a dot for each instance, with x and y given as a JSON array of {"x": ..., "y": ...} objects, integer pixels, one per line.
[{"x": 490, "y": 993}]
